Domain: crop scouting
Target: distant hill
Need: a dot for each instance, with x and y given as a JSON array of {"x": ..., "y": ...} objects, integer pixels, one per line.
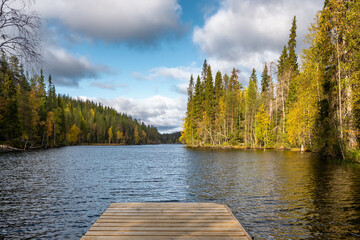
[
  {"x": 170, "y": 138},
  {"x": 32, "y": 115}
]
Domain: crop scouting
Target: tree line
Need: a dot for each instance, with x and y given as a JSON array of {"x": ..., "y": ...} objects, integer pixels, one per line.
[
  {"x": 33, "y": 115},
  {"x": 312, "y": 104}
]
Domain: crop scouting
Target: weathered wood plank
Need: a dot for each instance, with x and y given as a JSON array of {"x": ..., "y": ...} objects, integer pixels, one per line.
[
  {"x": 165, "y": 224},
  {"x": 163, "y": 238},
  {"x": 155, "y": 214},
  {"x": 166, "y": 205},
  {"x": 170, "y": 210},
  {"x": 165, "y": 229},
  {"x": 150, "y": 233},
  {"x": 184, "y": 217},
  {"x": 150, "y": 221},
  {"x": 191, "y": 221}
]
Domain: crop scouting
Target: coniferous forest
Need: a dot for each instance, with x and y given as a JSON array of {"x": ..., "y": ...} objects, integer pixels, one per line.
[
  {"x": 307, "y": 102},
  {"x": 33, "y": 115}
]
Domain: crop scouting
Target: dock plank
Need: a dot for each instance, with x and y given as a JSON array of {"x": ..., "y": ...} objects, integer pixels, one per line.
[
  {"x": 162, "y": 238},
  {"x": 148, "y": 221}
]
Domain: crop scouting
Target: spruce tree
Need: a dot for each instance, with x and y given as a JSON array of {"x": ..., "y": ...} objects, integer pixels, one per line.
[
  {"x": 10, "y": 119},
  {"x": 251, "y": 108},
  {"x": 198, "y": 107},
  {"x": 204, "y": 71},
  {"x": 218, "y": 86},
  {"x": 209, "y": 95},
  {"x": 265, "y": 80},
  {"x": 209, "y": 105},
  {"x": 292, "y": 58}
]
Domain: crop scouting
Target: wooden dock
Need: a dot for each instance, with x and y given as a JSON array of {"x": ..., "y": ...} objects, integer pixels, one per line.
[{"x": 158, "y": 221}]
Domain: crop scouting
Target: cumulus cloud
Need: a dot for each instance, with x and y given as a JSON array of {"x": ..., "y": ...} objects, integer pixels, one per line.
[
  {"x": 68, "y": 69},
  {"x": 163, "y": 112},
  {"x": 116, "y": 20},
  {"x": 180, "y": 73},
  {"x": 179, "y": 76},
  {"x": 181, "y": 88},
  {"x": 108, "y": 85},
  {"x": 248, "y": 33},
  {"x": 176, "y": 73}
]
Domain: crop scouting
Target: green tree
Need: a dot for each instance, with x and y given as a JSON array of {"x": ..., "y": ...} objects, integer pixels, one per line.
[
  {"x": 136, "y": 135},
  {"x": 251, "y": 108},
  {"x": 72, "y": 136},
  {"x": 262, "y": 119},
  {"x": 10, "y": 119},
  {"x": 187, "y": 135},
  {"x": 209, "y": 106},
  {"x": 50, "y": 125},
  {"x": 265, "y": 80},
  {"x": 119, "y": 136},
  {"x": 110, "y": 133},
  {"x": 198, "y": 108}
]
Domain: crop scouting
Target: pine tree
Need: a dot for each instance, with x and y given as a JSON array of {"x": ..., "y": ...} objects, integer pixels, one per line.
[
  {"x": 51, "y": 99},
  {"x": 219, "y": 88},
  {"x": 136, "y": 135},
  {"x": 10, "y": 120},
  {"x": 204, "y": 71},
  {"x": 251, "y": 108},
  {"x": 262, "y": 124},
  {"x": 187, "y": 135},
  {"x": 219, "y": 109},
  {"x": 198, "y": 108},
  {"x": 209, "y": 106},
  {"x": 292, "y": 58},
  {"x": 265, "y": 80}
]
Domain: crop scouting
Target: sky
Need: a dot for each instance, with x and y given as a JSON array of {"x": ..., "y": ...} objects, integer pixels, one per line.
[{"x": 137, "y": 56}]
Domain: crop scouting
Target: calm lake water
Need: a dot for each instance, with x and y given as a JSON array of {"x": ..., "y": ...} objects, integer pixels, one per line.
[{"x": 59, "y": 193}]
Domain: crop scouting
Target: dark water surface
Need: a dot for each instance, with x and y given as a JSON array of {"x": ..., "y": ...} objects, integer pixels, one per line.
[{"x": 59, "y": 193}]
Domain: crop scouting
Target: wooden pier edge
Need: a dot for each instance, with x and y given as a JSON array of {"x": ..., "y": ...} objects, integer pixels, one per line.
[
  {"x": 248, "y": 235},
  {"x": 158, "y": 221}
]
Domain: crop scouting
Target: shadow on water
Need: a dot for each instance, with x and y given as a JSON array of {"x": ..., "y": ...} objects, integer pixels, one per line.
[{"x": 59, "y": 193}]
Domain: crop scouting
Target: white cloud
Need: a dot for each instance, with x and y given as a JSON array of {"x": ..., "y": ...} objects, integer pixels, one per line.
[
  {"x": 68, "y": 69},
  {"x": 180, "y": 73},
  {"x": 116, "y": 20},
  {"x": 179, "y": 76},
  {"x": 108, "y": 85},
  {"x": 245, "y": 34},
  {"x": 175, "y": 73},
  {"x": 165, "y": 113},
  {"x": 182, "y": 88}
]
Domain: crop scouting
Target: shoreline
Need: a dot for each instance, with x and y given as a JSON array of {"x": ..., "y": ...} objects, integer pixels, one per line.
[
  {"x": 7, "y": 148},
  {"x": 250, "y": 148},
  {"x": 349, "y": 158}
]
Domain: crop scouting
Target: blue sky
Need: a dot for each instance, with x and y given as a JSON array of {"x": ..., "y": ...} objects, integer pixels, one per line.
[{"x": 137, "y": 56}]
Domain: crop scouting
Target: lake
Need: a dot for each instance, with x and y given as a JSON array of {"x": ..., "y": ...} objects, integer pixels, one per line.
[{"x": 59, "y": 193}]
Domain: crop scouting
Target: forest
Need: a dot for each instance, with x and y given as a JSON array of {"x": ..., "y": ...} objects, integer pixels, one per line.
[
  {"x": 307, "y": 103},
  {"x": 32, "y": 115}
]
